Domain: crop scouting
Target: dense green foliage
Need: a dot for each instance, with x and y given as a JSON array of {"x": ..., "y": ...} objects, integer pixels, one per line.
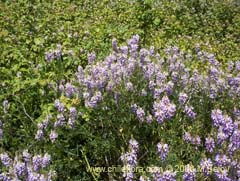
[{"x": 29, "y": 29}]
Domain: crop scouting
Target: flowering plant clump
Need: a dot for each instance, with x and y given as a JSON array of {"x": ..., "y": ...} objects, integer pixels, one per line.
[
  {"x": 184, "y": 120},
  {"x": 26, "y": 167},
  {"x": 190, "y": 115}
]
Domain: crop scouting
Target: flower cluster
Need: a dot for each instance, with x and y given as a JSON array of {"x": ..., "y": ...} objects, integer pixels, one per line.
[
  {"x": 163, "y": 150},
  {"x": 209, "y": 144},
  {"x": 189, "y": 112},
  {"x": 129, "y": 160},
  {"x": 167, "y": 175},
  {"x": 164, "y": 109},
  {"x": 167, "y": 87},
  {"x": 189, "y": 173},
  {"x": 54, "y": 54},
  {"x": 206, "y": 166},
  {"x": 26, "y": 167},
  {"x": 188, "y": 138}
]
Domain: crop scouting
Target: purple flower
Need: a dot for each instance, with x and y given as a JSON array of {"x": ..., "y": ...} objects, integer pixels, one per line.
[
  {"x": 130, "y": 159},
  {"x": 49, "y": 56},
  {"x": 134, "y": 108},
  {"x": 209, "y": 144},
  {"x": 149, "y": 118},
  {"x": 124, "y": 50},
  {"x": 189, "y": 111},
  {"x": 157, "y": 176},
  {"x": 110, "y": 86},
  {"x": 5, "y": 159},
  {"x": 196, "y": 141},
  {"x": 26, "y": 156},
  {"x": 169, "y": 87},
  {"x": 221, "y": 136},
  {"x": 158, "y": 92},
  {"x": 39, "y": 135},
  {"x": 151, "y": 51},
  {"x": 69, "y": 90},
  {"x": 129, "y": 86},
  {"x": 32, "y": 176},
  {"x": 20, "y": 169},
  {"x": 169, "y": 175},
  {"x": 46, "y": 160},
  {"x": 236, "y": 112},
  {"x": 237, "y": 66},
  {"x": 222, "y": 160},
  {"x": 71, "y": 123},
  {"x": 234, "y": 141},
  {"x": 175, "y": 77},
  {"x": 98, "y": 95},
  {"x": 91, "y": 57},
  {"x": 92, "y": 102},
  {"x": 140, "y": 114},
  {"x": 217, "y": 117},
  {"x": 212, "y": 60},
  {"x": 58, "y": 51},
  {"x": 37, "y": 163},
  {"x": 114, "y": 45},
  {"x": 222, "y": 175},
  {"x": 164, "y": 109},
  {"x": 134, "y": 40},
  {"x": 128, "y": 173},
  {"x": 133, "y": 145},
  {"x": 59, "y": 105},
  {"x": 42, "y": 177},
  {"x": 230, "y": 66},
  {"x": 143, "y": 54},
  {"x": 163, "y": 150},
  {"x": 45, "y": 123},
  {"x": 206, "y": 166},
  {"x": 53, "y": 136},
  {"x": 151, "y": 85},
  {"x": 189, "y": 173},
  {"x": 227, "y": 125},
  {"x": 60, "y": 120},
  {"x": 73, "y": 112},
  {"x": 5, "y": 177},
  {"x": 187, "y": 137}
]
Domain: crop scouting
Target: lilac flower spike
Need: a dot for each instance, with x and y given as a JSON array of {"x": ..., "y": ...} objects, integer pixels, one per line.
[
  {"x": 189, "y": 112},
  {"x": 129, "y": 160},
  {"x": 189, "y": 173},
  {"x": 53, "y": 136},
  {"x": 209, "y": 144},
  {"x": 140, "y": 114},
  {"x": 182, "y": 98},
  {"x": 163, "y": 150},
  {"x": 217, "y": 117},
  {"x": 6, "y": 160},
  {"x": 164, "y": 109},
  {"x": 206, "y": 166}
]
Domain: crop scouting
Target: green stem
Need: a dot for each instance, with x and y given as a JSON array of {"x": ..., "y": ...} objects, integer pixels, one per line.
[{"x": 88, "y": 165}]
